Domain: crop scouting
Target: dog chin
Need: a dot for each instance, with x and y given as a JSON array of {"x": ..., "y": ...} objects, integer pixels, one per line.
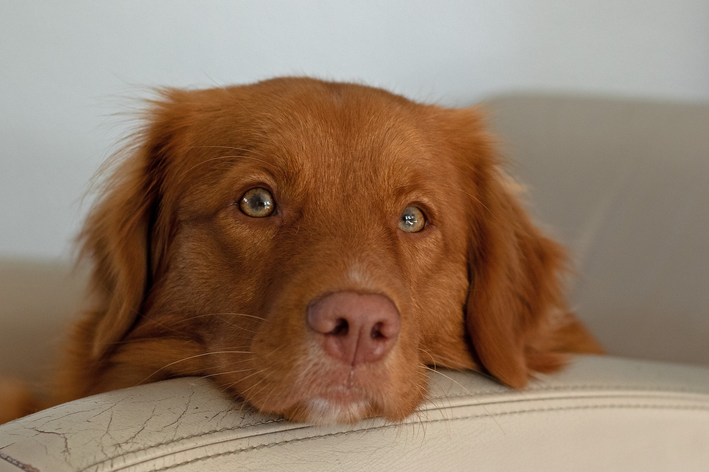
[
  {"x": 335, "y": 405},
  {"x": 325, "y": 411}
]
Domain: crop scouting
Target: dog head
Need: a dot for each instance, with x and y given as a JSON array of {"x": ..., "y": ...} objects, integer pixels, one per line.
[{"x": 313, "y": 247}]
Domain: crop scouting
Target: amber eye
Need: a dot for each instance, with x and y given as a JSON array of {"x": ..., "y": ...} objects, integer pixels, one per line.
[
  {"x": 257, "y": 203},
  {"x": 412, "y": 220}
]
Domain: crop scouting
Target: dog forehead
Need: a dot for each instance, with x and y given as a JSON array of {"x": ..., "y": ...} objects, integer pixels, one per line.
[
  {"x": 326, "y": 131},
  {"x": 328, "y": 138},
  {"x": 340, "y": 134}
]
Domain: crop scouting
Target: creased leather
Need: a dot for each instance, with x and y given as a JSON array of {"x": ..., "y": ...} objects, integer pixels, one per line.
[{"x": 602, "y": 413}]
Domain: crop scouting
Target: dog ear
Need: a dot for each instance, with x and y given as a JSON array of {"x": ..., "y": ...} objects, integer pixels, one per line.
[
  {"x": 123, "y": 236},
  {"x": 515, "y": 292},
  {"x": 516, "y": 314}
]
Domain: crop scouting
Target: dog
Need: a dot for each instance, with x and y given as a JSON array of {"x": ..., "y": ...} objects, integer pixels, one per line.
[{"x": 315, "y": 248}]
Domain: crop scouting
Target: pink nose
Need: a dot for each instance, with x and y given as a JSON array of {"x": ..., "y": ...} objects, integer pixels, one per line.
[{"x": 355, "y": 328}]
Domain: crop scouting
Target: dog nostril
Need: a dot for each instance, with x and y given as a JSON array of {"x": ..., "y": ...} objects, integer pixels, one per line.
[
  {"x": 377, "y": 331},
  {"x": 341, "y": 327}
]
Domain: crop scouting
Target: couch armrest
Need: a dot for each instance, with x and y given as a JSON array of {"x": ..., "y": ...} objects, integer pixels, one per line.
[{"x": 602, "y": 413}]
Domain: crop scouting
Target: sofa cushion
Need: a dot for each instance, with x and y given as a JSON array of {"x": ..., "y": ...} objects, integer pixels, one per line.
[{"x": 602, "y": 413}]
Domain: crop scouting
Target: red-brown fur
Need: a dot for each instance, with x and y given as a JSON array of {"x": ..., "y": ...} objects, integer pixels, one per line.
[{"x": 184, "y": 283}]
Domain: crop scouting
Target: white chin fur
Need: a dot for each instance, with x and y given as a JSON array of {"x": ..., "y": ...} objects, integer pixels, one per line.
[{"x": 322, "y": 411}]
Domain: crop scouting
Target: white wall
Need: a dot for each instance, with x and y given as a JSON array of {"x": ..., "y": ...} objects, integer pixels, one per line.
[{"x": 67, "y": 66}]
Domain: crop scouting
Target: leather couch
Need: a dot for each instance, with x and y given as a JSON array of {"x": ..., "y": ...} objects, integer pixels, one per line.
[{"x": 625, "y": 184}]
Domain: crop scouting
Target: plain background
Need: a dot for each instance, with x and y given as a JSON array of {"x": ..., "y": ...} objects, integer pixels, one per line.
[{"x": 68, "y": 70}]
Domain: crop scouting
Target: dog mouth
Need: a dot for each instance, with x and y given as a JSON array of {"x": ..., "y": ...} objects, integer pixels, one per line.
[
  {"x": 327, "y": 394},
  {"x": 324, "y": 397}
]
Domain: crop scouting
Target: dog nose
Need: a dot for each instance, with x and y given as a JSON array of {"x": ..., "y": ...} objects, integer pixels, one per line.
[{"x": 355, "y": 328}]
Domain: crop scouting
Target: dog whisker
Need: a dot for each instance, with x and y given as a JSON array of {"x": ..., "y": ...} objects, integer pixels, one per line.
[
  {"x": 189, "y": 358},
  {"x": 471, "y": 395},
  {"x": 206, "y": 161},
  {"x": 480, "y": 202},
  {"x": 222, "y": 315},
  {"x": 244, "y": 315},
  {"x": 225, "y": 373}
]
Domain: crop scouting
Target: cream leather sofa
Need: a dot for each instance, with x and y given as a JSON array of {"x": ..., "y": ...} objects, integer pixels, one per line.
[{"x": 624, "y": 184}]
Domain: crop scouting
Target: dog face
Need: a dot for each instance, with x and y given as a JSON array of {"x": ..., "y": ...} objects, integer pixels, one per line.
[{"x": 313, "y": 247}]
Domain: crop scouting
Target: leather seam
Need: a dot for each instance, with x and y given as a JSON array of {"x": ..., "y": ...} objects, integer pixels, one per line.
[
  {"x": 192, "y": 436},
  {"x": 20, "y": 465},
  {"x": 388, "y": 426},
  {"x": 648, "y": 388}
]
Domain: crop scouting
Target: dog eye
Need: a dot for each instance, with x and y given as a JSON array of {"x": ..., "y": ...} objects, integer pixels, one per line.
[
  {"x": 257, "y": 203},
  {"x": 412, "y": 220}
]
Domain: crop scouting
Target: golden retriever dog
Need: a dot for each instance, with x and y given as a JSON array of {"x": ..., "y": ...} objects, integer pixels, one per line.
[{"x": 314, "y": 248}]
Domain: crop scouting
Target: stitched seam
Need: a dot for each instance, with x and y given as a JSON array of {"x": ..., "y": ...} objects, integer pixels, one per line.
[
  {"x": 649, "y": 388},
  {"x": 18, "y": 464},
  {"x": 191, "y": 436},
  {"x": 462, "y": 418}
]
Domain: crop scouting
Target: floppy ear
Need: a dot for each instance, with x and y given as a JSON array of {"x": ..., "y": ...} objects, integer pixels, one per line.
[
  {"x": 517, "y": 317},
  {"x": 122, "y": 236}
]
